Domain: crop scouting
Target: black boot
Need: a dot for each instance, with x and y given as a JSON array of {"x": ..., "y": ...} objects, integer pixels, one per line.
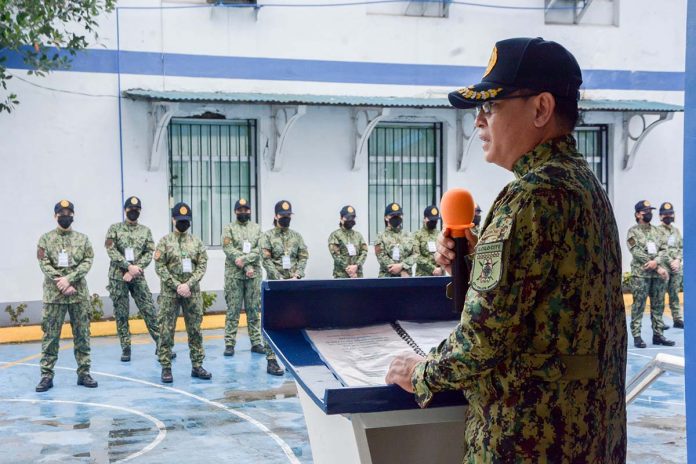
[
  {"x": 229, "y": 351},
  {"x": 638, "y": 342},
  {"x": 678, "y": 324},
  {"x": 200, "y": 373},
  {"x": 45, "y": 384},
  {"x": 258, "y": 349},
  {"x": 167, "y": 375},
  {"x": 126, "y": 354},
  {"x": 86, "y": 380},
  {"x": 661, "y": 340},
  {"x": 274, "y": 368}
]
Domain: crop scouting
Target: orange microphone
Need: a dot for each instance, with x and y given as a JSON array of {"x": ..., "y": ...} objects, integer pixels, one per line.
[{"x": 457, "y": 210}]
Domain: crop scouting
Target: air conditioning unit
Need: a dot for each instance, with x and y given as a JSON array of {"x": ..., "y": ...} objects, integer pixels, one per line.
[{"x": 232, "y": 2}]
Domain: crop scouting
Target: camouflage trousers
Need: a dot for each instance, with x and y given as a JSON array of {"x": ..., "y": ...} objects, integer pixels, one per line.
[
  {"x": 192, "y": 309},
  {"x": 673, "y": 286},
  {"x": 53, "y": 317},
  {"x": 248, "y": 291},
  {"x": 119, "y": 291},
  {"x": 644, "y": 287}
]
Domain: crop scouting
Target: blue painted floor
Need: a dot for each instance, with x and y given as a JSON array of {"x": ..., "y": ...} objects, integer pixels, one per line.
[{"x": 243, "y": 415}]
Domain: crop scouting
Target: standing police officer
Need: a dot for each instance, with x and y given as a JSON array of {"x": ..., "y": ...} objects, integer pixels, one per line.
[
  {"x": 394, "y": 248},
  {"x": 347, "y": 247},
  {"x": 240, "y": 242},
  {"x": 648, "y": 274},
  {"x": 540, "y": 351},
  {"x": 675, "y": 256},
  {"x": 65, "y": 257},
  {"x": 130, "y": 247},
  {"x": 180, "y": 261},
  {"x": 426, "y": 244}
]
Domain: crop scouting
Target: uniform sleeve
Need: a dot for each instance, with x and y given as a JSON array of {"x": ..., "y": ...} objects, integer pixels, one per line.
[
  {"x": 663, "y": 252},
  {"x": 302, "y": 257},
  {"x": 409, "y": 253},
  {"x": 114, "y": 255},
  {"x": 253, "y": 258},
  {"x": 680, "y": 247},
  {"x": 267, "y": 257},
  {"x": 201, "y": 265},
  {"x": 492, "y": 320},
  {"x": 83, "y": 266},
  {"x": 362, "y": 254},
  {"x": 145, "y": 258},
  {"x": 340, "y": 260},
  {"x": 383, "y": 255},
  {"x": 231, "y": 250},
  {"x": 45, "y": 261},
  {"x": 424, "y": 262},
  {"x": 161, "y": 268},
  {"x": 640, "y": 255}
]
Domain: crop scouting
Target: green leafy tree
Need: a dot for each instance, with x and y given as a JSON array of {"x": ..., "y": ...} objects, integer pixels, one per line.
[{"x": 39, "y": 30}]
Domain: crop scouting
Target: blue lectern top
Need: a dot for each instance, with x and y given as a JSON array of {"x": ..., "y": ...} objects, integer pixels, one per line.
[{"x": 289, "y": 307}]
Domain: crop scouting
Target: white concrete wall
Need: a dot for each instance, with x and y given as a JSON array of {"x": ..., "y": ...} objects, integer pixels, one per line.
[{"x": 58, "y": 144}]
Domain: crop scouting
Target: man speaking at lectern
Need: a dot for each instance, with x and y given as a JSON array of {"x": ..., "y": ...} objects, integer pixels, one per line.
[{"x": 540, "y": 350}]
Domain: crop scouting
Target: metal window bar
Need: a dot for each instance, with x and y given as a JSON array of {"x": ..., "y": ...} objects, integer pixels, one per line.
[
  {"x": 593, "y": 143},
  {"x": 212, "y": 163},
  {"x": 404, "y": 166}
]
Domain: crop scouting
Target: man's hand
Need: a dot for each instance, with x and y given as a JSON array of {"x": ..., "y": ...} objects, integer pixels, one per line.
[
  {"x": 662, "y": 272},
  {"x": 239, "y": 262},
  {"x": 127, "y": 277},
  {"x": 352, "y": 271},
  {"x": 401, "y": 370},
  {"x": 675, "y": 265},
  {"x": 437, "y": 271},
  {"x": 183, "y": 290},
  {"x": 395, "y": 268},
  {"x": 134, "y": 270},
  {"x": 650, "y": 265},
  {"x": 405, "y": 274},
  {"x": 69, "y": 291},
  {"x": 62, "y": 283},
  {"x": 250, "y": 273},
  {"x": 445, "y": 248}
]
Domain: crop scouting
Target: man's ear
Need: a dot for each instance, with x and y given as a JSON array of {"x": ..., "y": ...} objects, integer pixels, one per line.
[{"x": 545, "y": 109}]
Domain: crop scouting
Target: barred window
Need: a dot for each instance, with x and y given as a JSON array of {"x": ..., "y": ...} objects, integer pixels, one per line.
[
  {"x": 593, "y": 143},
  {"x": 404, "y": 166},
  {"x": 212, "y": 163}
]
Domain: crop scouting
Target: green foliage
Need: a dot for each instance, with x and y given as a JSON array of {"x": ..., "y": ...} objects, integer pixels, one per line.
[
  {"x": 96, "y": 308},
  {"x": 208, "y": 300},
  {"x": 41, "y": 30},
  {"x": 626, "y": 282},
  {"x": 135, "y": 316},
  {"x": 16, "y": 314}
]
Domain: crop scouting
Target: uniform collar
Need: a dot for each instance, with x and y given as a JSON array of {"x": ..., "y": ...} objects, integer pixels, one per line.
[
  {"x": 130, "y": 224},
  {"x": 542, "y": 154},
  {"x": 62, "y": 231}
]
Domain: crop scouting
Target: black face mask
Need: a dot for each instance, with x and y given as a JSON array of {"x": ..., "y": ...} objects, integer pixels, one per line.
[
  {"x": 284, "y": 222},
  {"x": 395, "y": 221},
  {"x": 243, "y": 217},
  {"x": 349, "y": 224},
  {"x": 133, "y": 215},
  {"x": 668, "y": 219},
  {"x": 647, "y": 217},
  {"x": 65, "y": 221},
  {"x": 183, "y": 225},
  {"x": 431, "y": 224},
  {"x": 477, "y": 219}
]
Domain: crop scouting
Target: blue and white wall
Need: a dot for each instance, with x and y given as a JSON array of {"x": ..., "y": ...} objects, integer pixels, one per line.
[{"x": 63, "y": 139}]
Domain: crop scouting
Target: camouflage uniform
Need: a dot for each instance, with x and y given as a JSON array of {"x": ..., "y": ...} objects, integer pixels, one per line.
[
  {"x": 238, "y": 287},
  {"x": 540, "y": 351},
  {"x": 137, "y": 237},
  {"x": 645, "y": 242},
  {"x": 171, "y": 250},
  {"x": 424, "y": 245},
  {"x": 338, "y": 247},
  {"x": 79, "y": 261},
  {"x": 386, "y": 242},
  {"x": 675, "y": 250}
]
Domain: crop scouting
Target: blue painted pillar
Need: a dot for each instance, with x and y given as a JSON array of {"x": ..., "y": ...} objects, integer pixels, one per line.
[{"x": 690, "y": 229}]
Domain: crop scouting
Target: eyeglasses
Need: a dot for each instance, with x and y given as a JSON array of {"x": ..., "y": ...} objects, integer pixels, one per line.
[{"x": 487, "y": 106}]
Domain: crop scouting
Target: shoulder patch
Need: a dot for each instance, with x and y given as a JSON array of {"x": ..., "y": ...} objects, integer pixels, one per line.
[
  {"x": 40, "y": 253},
  {"x": 226, "y": 241},
  {"x": 488, "y": 266},
  {"x": 158, "y": 254},
  {"x": 109, "y": 243},
  {"x": 631, "y": 242}
]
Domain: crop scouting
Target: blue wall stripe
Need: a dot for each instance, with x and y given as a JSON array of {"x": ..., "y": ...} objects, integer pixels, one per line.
[{"x": 351, "y": 72}]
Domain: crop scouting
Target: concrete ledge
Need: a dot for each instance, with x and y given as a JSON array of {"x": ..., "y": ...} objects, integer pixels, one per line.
[{"x": 33, "y": 333}]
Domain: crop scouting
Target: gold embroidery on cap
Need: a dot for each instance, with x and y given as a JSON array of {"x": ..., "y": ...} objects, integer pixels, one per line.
[
  {"x": 646, "y": 203},
  {"x": 668, "y": 206},
  {"x": 242, "y": 202},
  {"x": 350, "y": 210},
  {"x": 285, "y": 206},
  {"x": 134, "y": 201},
  {"x": 395, "y": 207},
  {"x": 64, "y": 203},
  {"x": 491, "y": 61},
  {"x": 433, "y": 211},
  {"x": 183, "y": 210}
]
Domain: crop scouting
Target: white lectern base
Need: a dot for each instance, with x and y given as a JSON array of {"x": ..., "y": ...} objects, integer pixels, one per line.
[{"x": 411, "y": 436}]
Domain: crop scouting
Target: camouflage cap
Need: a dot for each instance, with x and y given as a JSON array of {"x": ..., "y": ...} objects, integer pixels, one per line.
[{"x": 63, "y": 204}]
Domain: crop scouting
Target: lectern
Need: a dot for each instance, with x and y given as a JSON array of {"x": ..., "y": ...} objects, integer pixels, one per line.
[{"x": 370, "y": 424}]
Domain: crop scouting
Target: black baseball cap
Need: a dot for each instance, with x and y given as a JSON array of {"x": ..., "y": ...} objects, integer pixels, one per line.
[
  {"x": 393, "y": 209},
  {"x": 181, "y": 211},
  {"x": 63, "y": 204},
  {"x": 348, "y": 212},
  {"x": 283, "y": 208},
  {"x": 132, "y": 202},
  {"x": 643, "y": 205},
  {"x": 431, "y": 212},
  {"x": 523, "y": 63},
  {"x": 666, "y": 208},
  {"x": 242, "y": 203}
]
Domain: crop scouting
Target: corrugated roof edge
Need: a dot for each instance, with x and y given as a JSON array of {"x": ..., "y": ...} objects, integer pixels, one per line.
[{"x": 345, "y": 100}]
